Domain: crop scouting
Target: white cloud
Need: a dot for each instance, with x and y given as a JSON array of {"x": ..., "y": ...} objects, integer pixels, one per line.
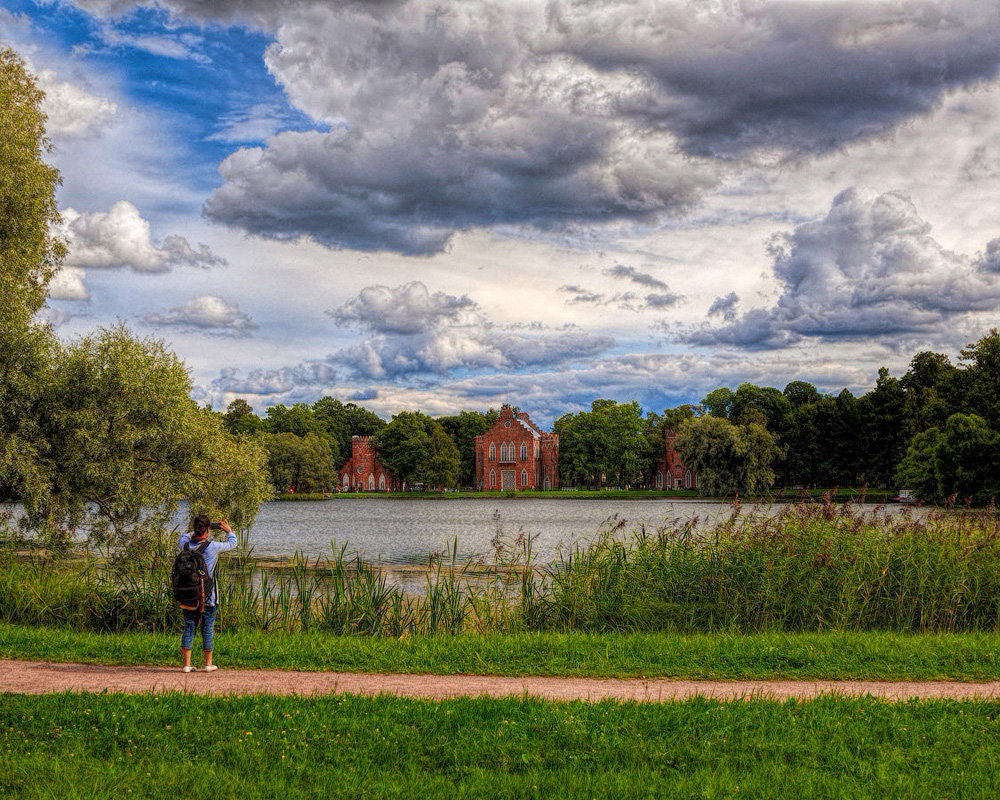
[
  {"x": 67, "y": 284},
  {"x": 120, "y": 238},
  {"x": 870, "y": 268},
  {"x": 72, "y": 111},
  {"x": 205, "y": 312},
  {"x": 415, "y": 332}
]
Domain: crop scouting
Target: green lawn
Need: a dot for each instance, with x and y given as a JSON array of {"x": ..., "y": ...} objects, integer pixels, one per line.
[
  {"x": 183, "y": 746},
  {"x": 881, "y": 656}
]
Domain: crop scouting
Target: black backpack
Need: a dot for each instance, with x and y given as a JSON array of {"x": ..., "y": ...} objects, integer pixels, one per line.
[{"x": 190, "y": 579}]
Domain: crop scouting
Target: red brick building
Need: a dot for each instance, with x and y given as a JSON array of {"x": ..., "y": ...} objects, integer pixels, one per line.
[
  {"x": 362, "y": 472},
  {"x": 516, "y": 454},
  {"x": 671, "y": 472}
]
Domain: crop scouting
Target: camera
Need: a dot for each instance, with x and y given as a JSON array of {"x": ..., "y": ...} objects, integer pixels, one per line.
[{"x": 215, "y": 526}]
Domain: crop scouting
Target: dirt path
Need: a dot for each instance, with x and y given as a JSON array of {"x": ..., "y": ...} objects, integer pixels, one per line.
[{"x": 38, "y": 677}]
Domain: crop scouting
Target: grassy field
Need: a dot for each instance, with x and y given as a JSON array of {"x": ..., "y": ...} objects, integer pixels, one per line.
[
  {"x": 832, "y": 656},
  {"x": 175, "y": 745}
]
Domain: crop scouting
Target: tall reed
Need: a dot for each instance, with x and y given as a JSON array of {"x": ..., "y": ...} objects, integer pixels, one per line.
[{"x": 807, "y": 567}]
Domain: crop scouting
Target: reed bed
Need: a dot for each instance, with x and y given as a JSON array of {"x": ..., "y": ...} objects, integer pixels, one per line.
[{"x": 810, "y": 567}]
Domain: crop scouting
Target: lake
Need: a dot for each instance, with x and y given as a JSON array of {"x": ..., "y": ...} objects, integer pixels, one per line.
[{"x": 405, "y": 531}]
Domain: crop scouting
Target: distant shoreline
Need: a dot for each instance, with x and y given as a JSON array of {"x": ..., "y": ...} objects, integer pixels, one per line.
[{"x": 787, "y": 496}]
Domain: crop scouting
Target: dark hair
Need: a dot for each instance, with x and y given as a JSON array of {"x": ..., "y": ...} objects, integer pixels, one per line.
[{"x": 201, "y": 524}]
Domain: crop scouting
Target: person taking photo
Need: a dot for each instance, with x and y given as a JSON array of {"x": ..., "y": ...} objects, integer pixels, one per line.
[{"x": 198, "y": 541}]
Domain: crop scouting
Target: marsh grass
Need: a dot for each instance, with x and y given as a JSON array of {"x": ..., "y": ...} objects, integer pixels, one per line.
[{"x": 810, "y": 567}]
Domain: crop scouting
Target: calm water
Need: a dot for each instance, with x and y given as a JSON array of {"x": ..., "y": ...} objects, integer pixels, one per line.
[{"x": 403, "y": 531}]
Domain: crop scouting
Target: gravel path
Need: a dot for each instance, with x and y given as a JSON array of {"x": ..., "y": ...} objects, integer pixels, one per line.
[{"x": 39, "y": 677}]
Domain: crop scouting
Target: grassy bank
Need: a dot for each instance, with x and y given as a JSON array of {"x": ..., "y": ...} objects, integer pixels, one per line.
[
  {"x": 174, "y": 745},
  {"x": 814, "y": 656}
]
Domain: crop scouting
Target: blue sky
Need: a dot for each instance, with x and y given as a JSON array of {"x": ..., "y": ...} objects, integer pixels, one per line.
[{"x": 445, "y": 206}]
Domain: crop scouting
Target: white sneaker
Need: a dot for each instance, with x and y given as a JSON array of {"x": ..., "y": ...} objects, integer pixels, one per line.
[
  {"x": 188, "y": 668},
  {"x": 210, "y": 668}
]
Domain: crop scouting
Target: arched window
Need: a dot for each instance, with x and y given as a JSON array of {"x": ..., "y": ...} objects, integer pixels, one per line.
[
  {"x": 503, "y": 452},
  {"x": 524, "y": 478},
  {"x": 659, "y": 480},
  {"x": 493, "y": 452},
  {"x": 687, "y": 479},
  {"x": 347, "y": 479},
  {"x": 381, "y": 482},
  {"x": 524, "y": 452},
  {"x": 493, "y": 478},
  {"x": 371, "y": 483}
]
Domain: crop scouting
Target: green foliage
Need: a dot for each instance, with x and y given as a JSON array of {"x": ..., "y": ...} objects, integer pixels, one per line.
[
  {"x": 300, "y": 462},
  {"x": 239, "y": 418},
  {"x": 123, "y": 443},
  {"x": 962, "y": 460},
  {"x": 728, "y": 459},
  {"x": 29, "y": 256},
  {"x": 418, "y": 450},
  {"x": 606, "y": 444},
  {"x": 463, "y": 428}
]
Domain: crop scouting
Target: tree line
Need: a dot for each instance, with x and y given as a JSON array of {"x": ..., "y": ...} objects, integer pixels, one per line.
[{"x": 935, "y": 430}]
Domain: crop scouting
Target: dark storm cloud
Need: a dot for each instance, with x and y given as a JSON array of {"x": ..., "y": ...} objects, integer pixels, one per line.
[
  {"x": 870, "y": 268},
  {"x": 795, "y": 78},
  {"x": 436, "y": 117}
]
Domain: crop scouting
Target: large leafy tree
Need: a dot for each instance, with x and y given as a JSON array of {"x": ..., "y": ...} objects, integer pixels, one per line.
[
  {"x": 300, "y": 462},
  {"x": 100, "y": 436},
  {"x": 607, "y": 443},
  {"x": 418, "y": 449},
  {"x": 29, "y": 256},
  {"x": 728, "y": 458},
  {"x": 122, "y": 443}
]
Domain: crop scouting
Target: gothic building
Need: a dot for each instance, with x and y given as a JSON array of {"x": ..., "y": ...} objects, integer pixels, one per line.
[
  {"x": 363, "y": 473},
  {"x": 671, "y": 472},
  {"x": 516, "y": 454}
]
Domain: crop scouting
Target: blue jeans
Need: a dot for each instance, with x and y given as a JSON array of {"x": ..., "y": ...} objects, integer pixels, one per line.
[{"x": 207, "y": 624}]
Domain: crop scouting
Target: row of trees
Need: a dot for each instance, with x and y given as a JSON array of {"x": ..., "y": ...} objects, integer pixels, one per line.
[
  {"x": 936, "y": 430},
  {"x": 100, "y": 435},
  {"x": 306, "y": 444}
]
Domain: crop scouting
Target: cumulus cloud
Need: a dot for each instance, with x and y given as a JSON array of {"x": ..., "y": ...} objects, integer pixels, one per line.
[
  {"x": 445, "y": 117},
  {"x": 120, "y": 238},
  {"x": 869, "y": 268},
  {"x": 205, "y": 312},
  {"x": 72, "y": 112},
  {"x": 67, "y": 284},
  {"x": 413, "y": 331}
]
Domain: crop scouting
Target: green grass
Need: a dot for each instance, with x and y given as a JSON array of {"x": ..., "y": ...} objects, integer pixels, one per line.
[
  {"x": 177, "y": 746},
  {"x": 832, "y": 656}
]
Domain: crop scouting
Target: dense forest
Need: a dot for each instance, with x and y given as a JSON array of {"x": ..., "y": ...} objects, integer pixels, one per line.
[{"x": 935, "y": 429}]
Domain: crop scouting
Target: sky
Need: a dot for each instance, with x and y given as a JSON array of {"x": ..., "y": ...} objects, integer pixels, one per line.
[{"x": 453, "y": 205}]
